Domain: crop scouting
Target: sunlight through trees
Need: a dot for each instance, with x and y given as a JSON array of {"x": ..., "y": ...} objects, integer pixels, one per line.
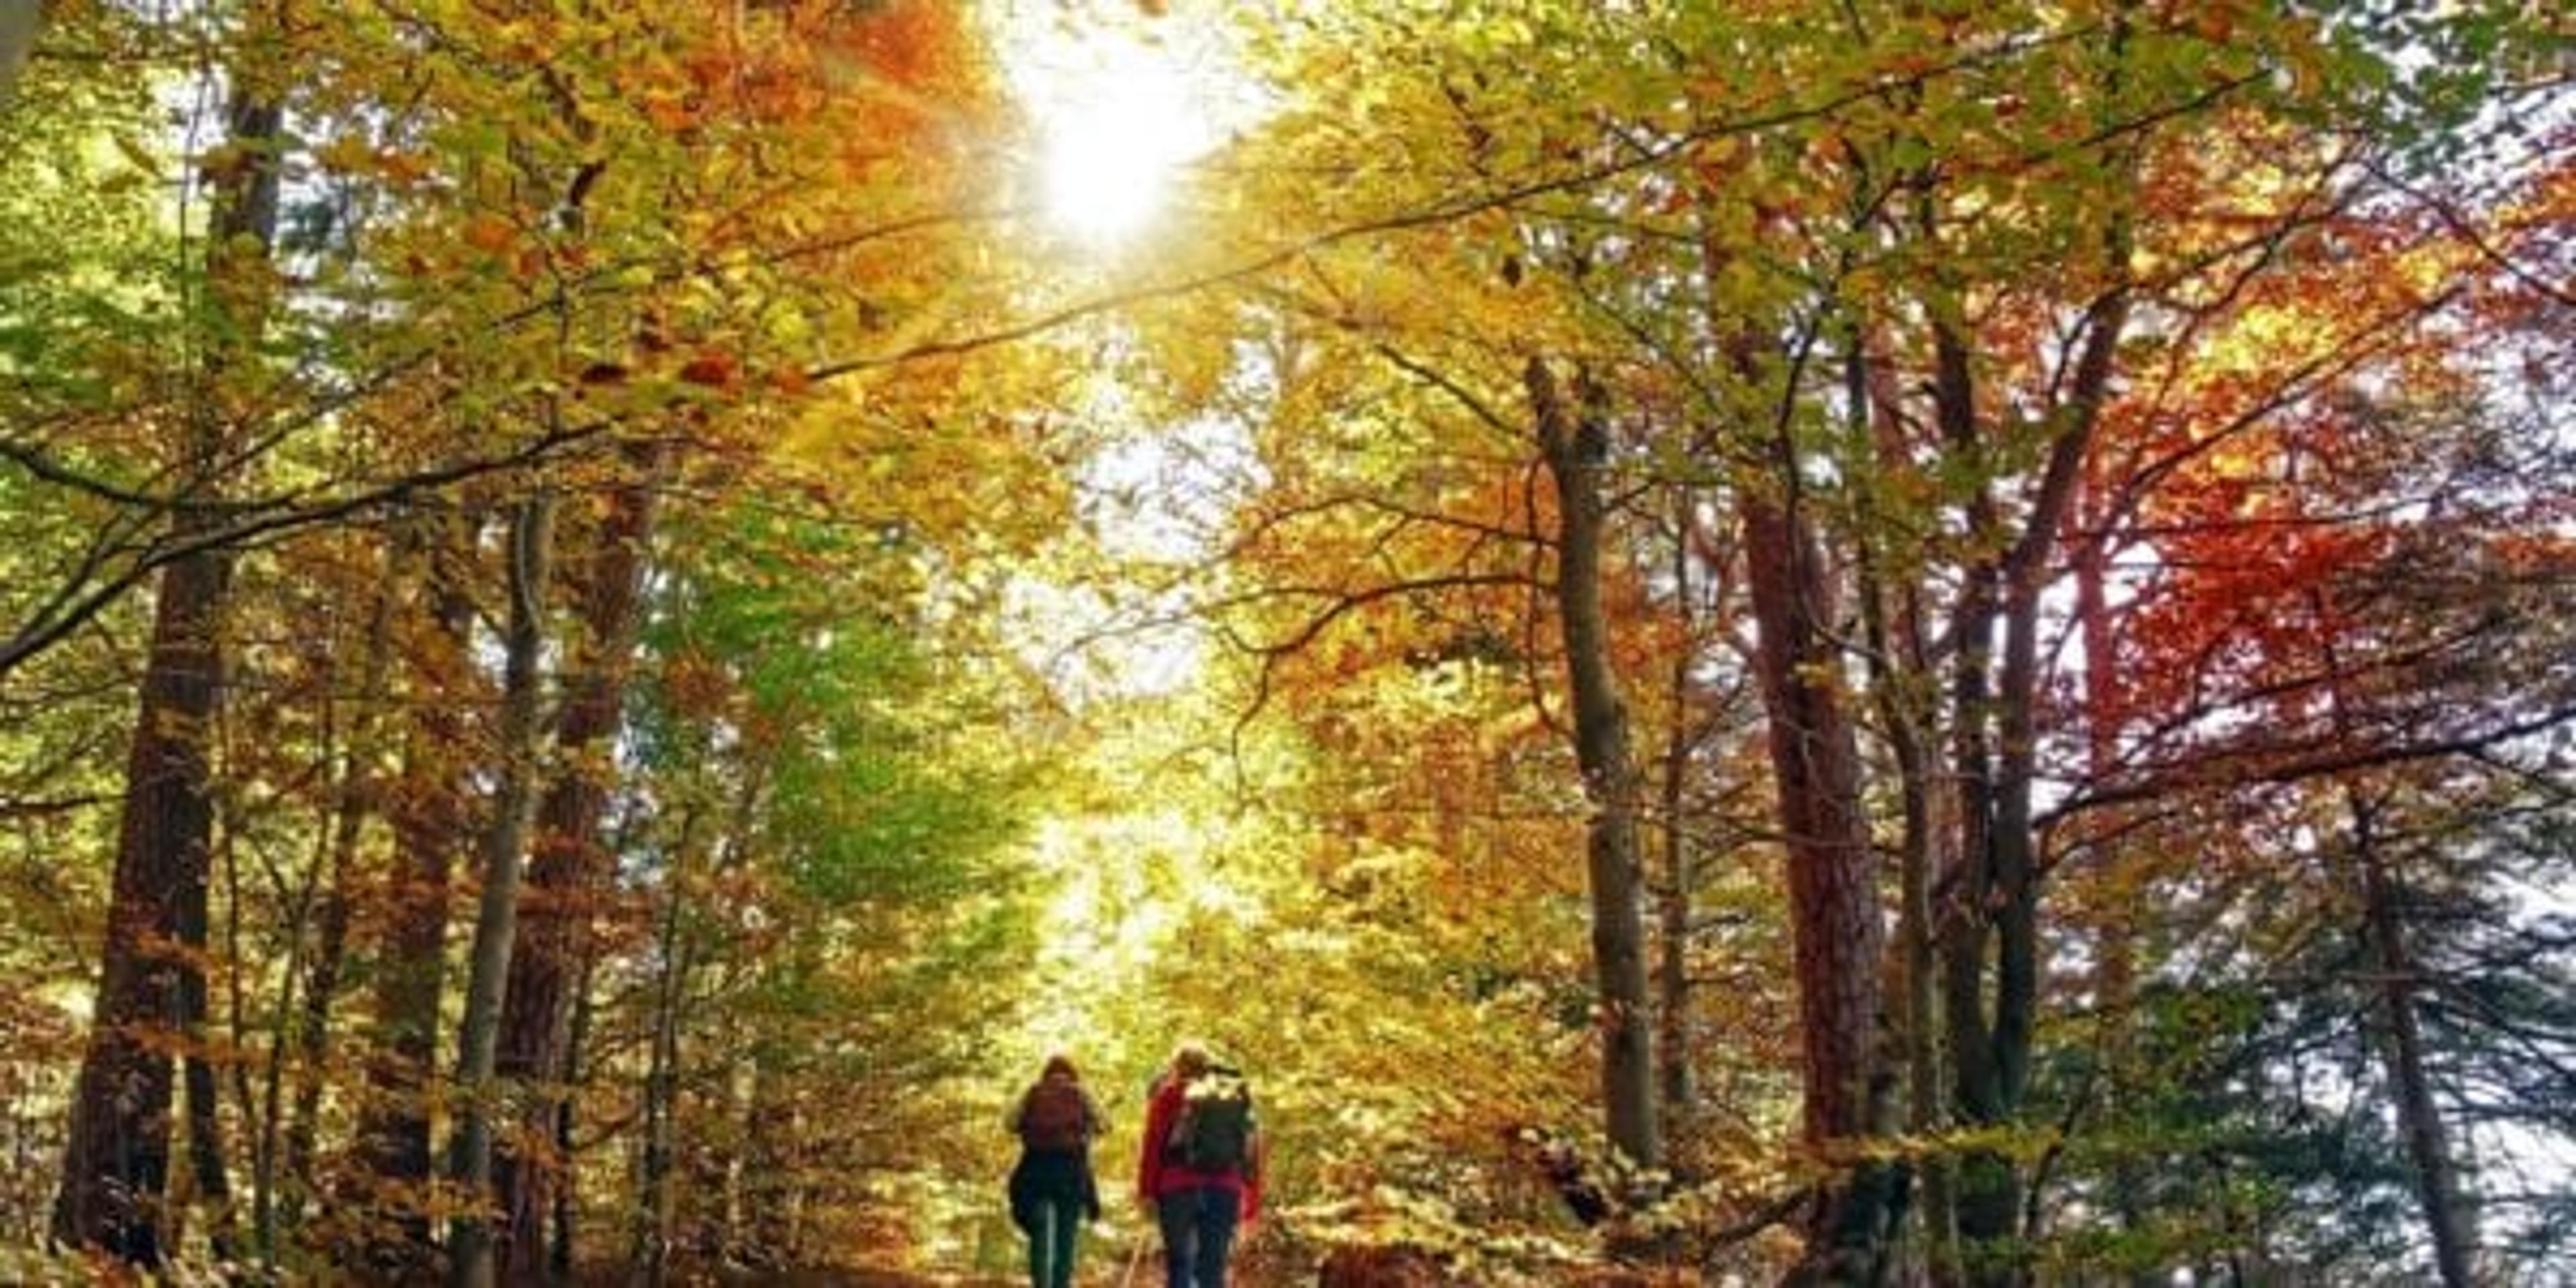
[{"x": 1827, "y": 644}]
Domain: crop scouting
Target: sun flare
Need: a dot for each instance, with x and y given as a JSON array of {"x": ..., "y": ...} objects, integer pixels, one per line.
[{"x": 1117, "y": 118}]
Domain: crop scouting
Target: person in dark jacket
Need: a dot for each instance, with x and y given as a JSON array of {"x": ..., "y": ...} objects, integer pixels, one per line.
[
  {"x": 1052, "y": 1189},
  {"x": 1199, "y": 1208}
]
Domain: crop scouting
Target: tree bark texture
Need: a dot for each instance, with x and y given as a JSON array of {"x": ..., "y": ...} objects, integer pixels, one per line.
[
  {"x": 1576, "y": 447},
  {"x": 117, "y": 1162},
  {"x": 210, "y": 1180},
  {"x": 570, "y": 867},
  {"x": 1833, "y": 897},
  {"x": 152, "y": 987}
]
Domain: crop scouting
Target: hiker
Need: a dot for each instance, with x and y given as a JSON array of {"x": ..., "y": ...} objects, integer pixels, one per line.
[
  {"x": 1200, "y": 1173},
  {"x": 1052, "y": 1189}
]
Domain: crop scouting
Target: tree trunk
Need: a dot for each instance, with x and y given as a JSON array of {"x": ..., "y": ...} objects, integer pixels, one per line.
[
  {"x": 1892, "y": 624},
  {"x": 470, "y": 1259},
  {"x": 1988, "y": 1192},
  {"x": 657, "y": 1200},
  {"x": 2015, "y": 866},
  {"x": 151, "y": 988},
  {"x": 1901, "y": 689},
  {"x": 211, "y": 1184},
  {"x": 559, "y": 1247},
  {"x": 428, "y": 816},
  {"x": 1577, "y": 446},
  {"x": 21, "y": 22},
  {"x": 2447, "y": 1213},
  {"x": 1673, "y": 899},
  {"x": 2115, "y": 964},
  {"x": 1919, "y": 860},
  {"x": 152, "y": 984},
  {"x": 570, "y": 867},
  {"x": 1994, "y": 899},
  {"x": 1833, "y": 898}
]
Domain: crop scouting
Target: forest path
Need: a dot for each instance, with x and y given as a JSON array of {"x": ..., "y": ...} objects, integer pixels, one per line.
[
  {"x": 1099, "y": 1267},
  {"x": 1092, "y": 1274}
]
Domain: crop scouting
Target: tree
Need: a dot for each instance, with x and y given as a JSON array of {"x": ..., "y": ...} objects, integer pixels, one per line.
[
  {"x": 152, "y": 989},
  {"x": 1575, "y": 444},
  {"x": 571, "y": 864},
  {"x": 429, "y": 817},
  {"x": 471, "y": 1254},
  {"x": 20, "y": 26},
  {"x": 2034, "y": 538}
]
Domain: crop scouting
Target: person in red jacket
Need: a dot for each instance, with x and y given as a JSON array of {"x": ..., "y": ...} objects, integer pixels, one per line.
[{"x": 1202, "y": 1178}]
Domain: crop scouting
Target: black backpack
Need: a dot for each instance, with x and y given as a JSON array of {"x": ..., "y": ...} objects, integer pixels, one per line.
[{"x": 1214, "y": 1130}]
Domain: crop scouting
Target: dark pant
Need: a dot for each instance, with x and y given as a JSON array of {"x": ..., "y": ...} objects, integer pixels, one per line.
[
  {"x": 1056, "y": 1223},
  {"x": 1198, "y": 1232}
]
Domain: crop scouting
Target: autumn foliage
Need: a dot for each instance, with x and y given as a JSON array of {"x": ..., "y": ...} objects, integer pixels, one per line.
[{"x": 1828, "y": 644}]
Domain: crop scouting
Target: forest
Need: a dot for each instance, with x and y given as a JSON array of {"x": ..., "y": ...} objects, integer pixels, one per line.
[{"x": 1889, "y": 642}]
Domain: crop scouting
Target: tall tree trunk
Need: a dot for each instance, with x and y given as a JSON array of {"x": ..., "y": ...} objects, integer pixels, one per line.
[
  {"x": 211, "y": 1185},
  {"x": 2015, "y": 865},
  {"x": 2448, "y": 1216},
  {"x": 429, "y": 820},
  {"x": 1673, "y": 899},
  {"x": 657, "y": 1199},
  {"x": 1988, "y": 1192},
  {"x": 559, "y": 1246},
  {"x": 1836, "y": 925},
  {"x": 1576, "y": 446},
  {"x": 1892, "y": 623},
  {"x": 21, "y": 22},
  {"x": 571, "y": 867},
  {"x": 152, "y": 986},
  {"x": 1918, "y": 857},
  {"x": 2447, "y": 1213},
  {"x": 469, "y": 1249},
  {"x": 1994, "y": 901},
  {"x": 2114, "y": 956},
  {"x": 1833, "y": 899}
]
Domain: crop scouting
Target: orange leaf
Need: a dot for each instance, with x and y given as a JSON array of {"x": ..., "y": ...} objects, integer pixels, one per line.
[
  {"x": 490, "y": 234},
  {"x": 714, "y": 369}
]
